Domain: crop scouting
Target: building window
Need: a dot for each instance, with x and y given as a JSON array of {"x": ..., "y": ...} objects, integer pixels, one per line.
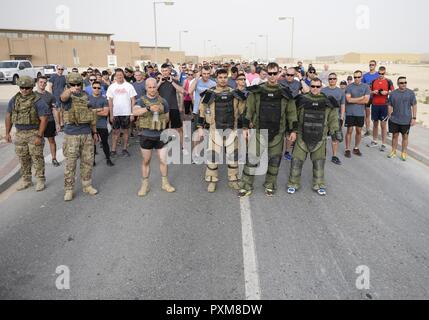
[
  {"x": 58, "y": 37},
  {"x": 101, "y": 38},
  {"x": 11, "y": 35},
  {"x": 80, "y": 37},
  {"x": 32, "y": 35}
]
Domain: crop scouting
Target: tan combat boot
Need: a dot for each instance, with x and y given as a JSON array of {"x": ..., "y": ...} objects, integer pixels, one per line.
[
  {"x": 68, "y": 195},
  {"x": 144, "y": 190},
  {"x": 24, "y": 184},
  {"x": 212, "y": 187},
  {"x": 166, "y": 186},
  {"x": 88, "y": 189},
  {"x": 40, "y": 185}
]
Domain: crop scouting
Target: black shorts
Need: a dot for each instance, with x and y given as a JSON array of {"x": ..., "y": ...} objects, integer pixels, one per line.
[
  {"x": 188, "y": 107},
  {"x": 148, "y": 143},
  {"x": 175, "y": 119},
  {"x": 398, "y": 128},
  {"x": 123, "y": 123},
  {"x": 352, "y": 121},
  {"x": 51, "y": 130}
]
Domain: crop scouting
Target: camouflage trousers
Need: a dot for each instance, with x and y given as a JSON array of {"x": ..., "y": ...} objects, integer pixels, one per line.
[
  {"x": 74, "y": 148},
  {"x": 275, "y": 152},
  {"x": 318, "y": 157},
  {"x": 29, "y": 154},
  {"x": 217, "y": 145}
]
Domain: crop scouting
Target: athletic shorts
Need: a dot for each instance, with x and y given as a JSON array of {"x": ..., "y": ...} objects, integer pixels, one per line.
[
  {"x": 352, "y": 121},
  {"x": 51, "y": 130},
  {"x": 121, "y": 123},
  {"x": 379, "y": 113},
  {"x": 398, "y": 128},
  {"x": 188, "y": 107},
  {"x": 175, "y": 119},
  {"x": 148, "y": 143}
]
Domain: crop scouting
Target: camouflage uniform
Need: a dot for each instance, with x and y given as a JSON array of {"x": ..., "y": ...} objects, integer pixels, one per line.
[
  {"x": 25, "y": 115},
  {"x": 321, "y": 114},
  {"x": 269, "y": 108},
  {"x": 80, "y": 123}
]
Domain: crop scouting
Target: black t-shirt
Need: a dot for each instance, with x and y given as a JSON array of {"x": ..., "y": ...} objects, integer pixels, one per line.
[{"x": 169, "y": 93}]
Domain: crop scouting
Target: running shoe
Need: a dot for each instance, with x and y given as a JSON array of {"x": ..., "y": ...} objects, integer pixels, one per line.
[
  {"x": 373, "y": 144},
  {"x": 392, "y": 155},
  {"x": 288, "y": 156},
  {"x": 383, "y": 148},
  {"x": 404, "y": 156},
  {"x": 243, "y": 193},
  {"x": 348, "y": 154},
  {"x": 269, "y": 192},
  {"x": 55, "y": 163},
  {"x": 357, "y": 152},
  {"x": 321, "y": 192},
  {"x": 110, "y": 163},
  {"x": 125, "y": 153},
  {"x": 336, "y": 161},
  {"x": 291, "y": 190}
]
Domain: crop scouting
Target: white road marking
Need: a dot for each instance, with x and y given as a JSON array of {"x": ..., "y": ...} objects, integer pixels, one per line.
[{"x": 251, "y": 276}]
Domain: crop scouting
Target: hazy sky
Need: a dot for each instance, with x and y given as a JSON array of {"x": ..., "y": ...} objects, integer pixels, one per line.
[{"x": 321, "y": 27}]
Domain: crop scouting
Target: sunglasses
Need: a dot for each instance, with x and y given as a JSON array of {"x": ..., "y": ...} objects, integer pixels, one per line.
[
  {"x": 290, "y": 75},
  {"x": 358, "y": 77},
  {"x": 273, "y": 73},
  {"x": 332, "y": 79},
  {"x": 96, "y": 88},
  {"x": 381, "y": 74},
  {"x": 25, "y": 88},
  {"x": 92, "y": 80},
  {"x": 312, "y": 72},
  {"x": 403, "y": 82},
  {"x": 60, "y": 69},
  {"x": 372, "y": 65},
  {"x": 241, "y": 79},
  {"x": 75, "y": 84},
  {"x": 316, "y": 87}
]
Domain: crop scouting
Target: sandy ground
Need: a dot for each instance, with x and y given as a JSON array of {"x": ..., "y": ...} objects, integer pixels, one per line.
[{"x": 418, "y": 80}]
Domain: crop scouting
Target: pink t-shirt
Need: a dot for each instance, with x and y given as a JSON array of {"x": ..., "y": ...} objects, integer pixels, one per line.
[{"x": 251, "y": 77}]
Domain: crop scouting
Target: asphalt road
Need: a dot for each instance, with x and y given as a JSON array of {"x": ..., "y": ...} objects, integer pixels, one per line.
[{"x": 191, "y": 245}]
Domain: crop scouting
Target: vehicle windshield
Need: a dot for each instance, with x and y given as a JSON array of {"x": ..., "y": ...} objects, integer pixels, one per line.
[{"x": 8, "y": 65}]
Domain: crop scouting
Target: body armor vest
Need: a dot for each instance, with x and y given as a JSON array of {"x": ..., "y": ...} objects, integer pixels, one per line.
[
  {"x": 24, "y": 112},
  {"x": 224, "y": 110},
  {"x": 79, "y": 113},
  {"x": 147, "y": 121},
  {"x": 314, "y": 122},
  {"x": 270, "y": 112}
]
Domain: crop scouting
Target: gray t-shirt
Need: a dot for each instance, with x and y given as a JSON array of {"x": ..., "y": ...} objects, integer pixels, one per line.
[
  {"x": 99, "y": 103},
  {"x": 402, "y": 103},
  {"x": 294, "y": 86},
  {"x": 152, "y": 133},
  {"x": 75, "y": 130},
  {"x": 169, "y": 93},
  {"x": 58, "y": 86},
  {"x": 42, "y": 111},
  {"x": 51, "y": 102},
  {"x": 356, "y": 91},
  {"x": 140, "y": 88},
  {"x": 337, "y": 93}
]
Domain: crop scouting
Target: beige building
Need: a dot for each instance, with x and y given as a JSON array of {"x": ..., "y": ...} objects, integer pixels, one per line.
[
  {"x": 359, "y": 58},
  {"x": 77, "y": 49}
]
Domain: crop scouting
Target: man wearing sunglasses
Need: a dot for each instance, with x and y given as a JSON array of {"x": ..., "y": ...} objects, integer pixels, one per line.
[
  {"x": 80, "y": 136},
  {"x": 357, "y": 97},
  {"x": 221, "y": 110},
  {"x": 89, "y": 90},
  {"x": 380, "y": 90},
  {"x": 317, "y": 117},
  {"x": 338, "y": 94},
  {"x": 403, "y": 116},
  {"x": 57, "y": 83},
  {"x": 29, "y": 113},
  {"x": 270, "y": 107},
  {"x": 368, "y": 78},
  {"x": 101, "y": 105}
]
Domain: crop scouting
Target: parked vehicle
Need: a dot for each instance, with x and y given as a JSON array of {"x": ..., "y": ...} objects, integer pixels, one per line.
[{"x": 12, "y": 70}]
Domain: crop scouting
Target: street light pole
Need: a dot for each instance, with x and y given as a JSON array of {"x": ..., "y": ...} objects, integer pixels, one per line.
[
  {"x": 167, "y": 3},
  {"x": 293, "y": 34},
  {"x": 180, "y": 38},
  {"x": 266, "y": 39}
]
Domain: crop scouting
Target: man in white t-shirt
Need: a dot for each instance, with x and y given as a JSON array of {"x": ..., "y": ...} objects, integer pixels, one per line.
[{"x": 122, "y": 96}]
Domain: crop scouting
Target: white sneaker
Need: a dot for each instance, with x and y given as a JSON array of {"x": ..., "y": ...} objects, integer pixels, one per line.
[{"x": 373, "y": 144}]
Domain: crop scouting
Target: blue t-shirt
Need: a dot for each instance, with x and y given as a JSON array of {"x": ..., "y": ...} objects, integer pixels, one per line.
[
  {"x": 201, "y": 87},
  {"x": 140, "y": 88},
  {"x": 337, "y": 93},
  {"x": 232, "y": 83},
  {"x": 356, "y": 91},
  {"x": 147, "y": 132},
  {"x": 402, "y": 103},
  {"x": 183, "y": 77},
  {"x": 369, "y": 78},
  {"x": 72, "y": 129},
  {"x": 99, "y": 103},
  {"x": 58, "y": 86},
  {"x": 42, "y": 111}
]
